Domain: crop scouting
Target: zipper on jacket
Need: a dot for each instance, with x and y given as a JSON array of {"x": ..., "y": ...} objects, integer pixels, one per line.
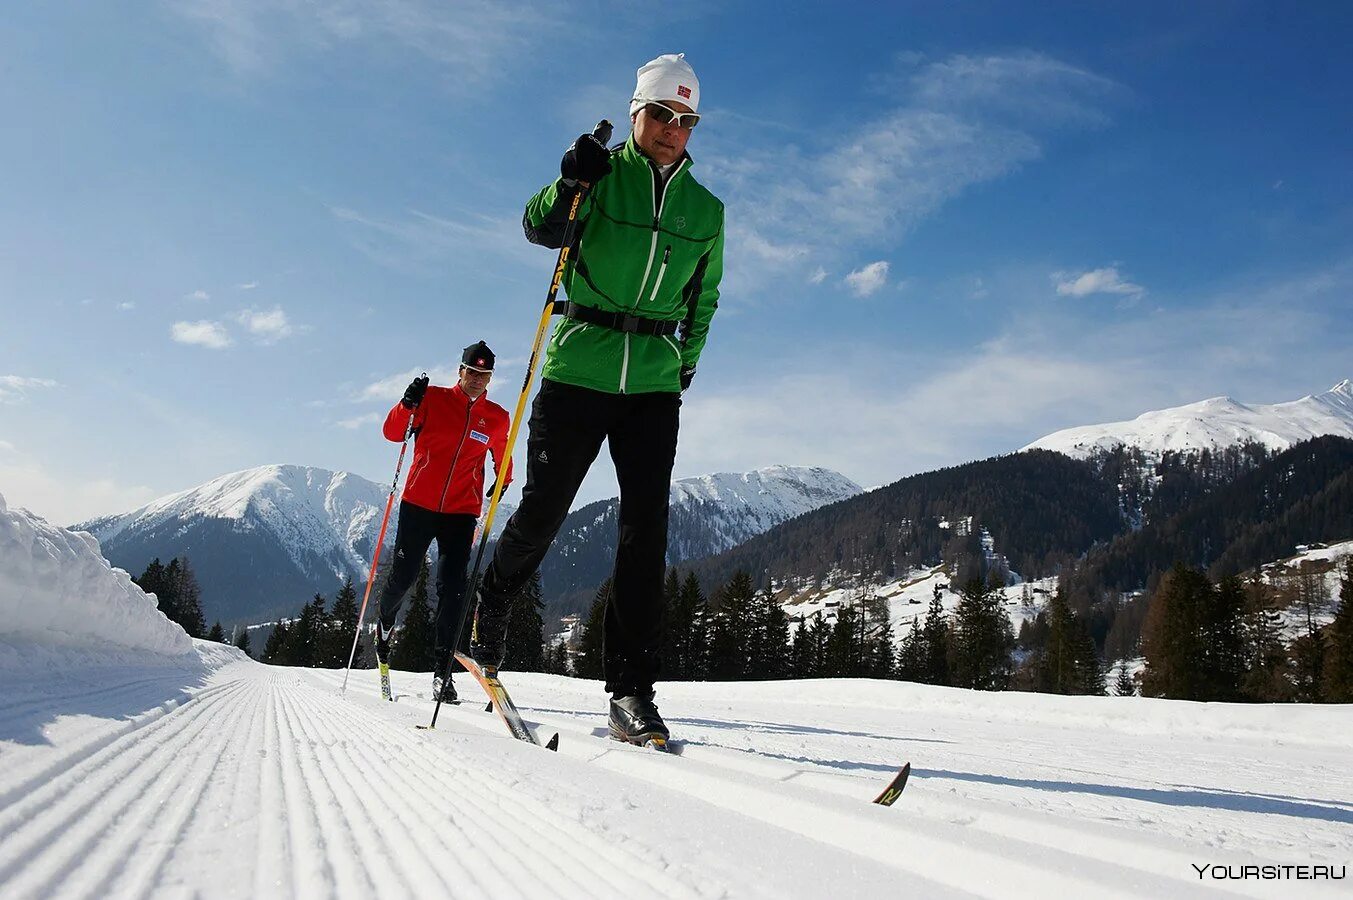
[
  {"x": 659, "y": 197},
  {"x": 451, "y": 472},
  {"x": 666, "y": 256},
  {"x": 625, "y": 364}
]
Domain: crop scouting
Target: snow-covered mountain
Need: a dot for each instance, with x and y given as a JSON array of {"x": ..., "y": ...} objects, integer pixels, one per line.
[
  {"x": 263, "y": 540},
  {"x": 1218, "y": 422},
  {"x": 709, "y": 514}
]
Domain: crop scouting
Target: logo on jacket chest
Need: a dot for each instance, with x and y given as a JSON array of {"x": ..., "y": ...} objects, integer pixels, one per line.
[
  {"x": 479, "y": 436},
  {"x": 680, "y": 223}
]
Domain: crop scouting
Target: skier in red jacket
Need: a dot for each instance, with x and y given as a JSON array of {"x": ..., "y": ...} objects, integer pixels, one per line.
[{"x": 456, "y": 428}]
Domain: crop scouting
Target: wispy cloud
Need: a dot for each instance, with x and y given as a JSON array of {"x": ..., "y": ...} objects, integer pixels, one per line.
[
  {"x": 422, "y": 240},
  {"x": 198, "y": 294},
  {"x": 1262, "y": 342},
  {"x": 956, "y": 123},
  {"x": 357, "y": 423},
  {"x": 247, "y": 286},
  {"x": 16, "y": 388},
  {"x": 1096, "y": 281},
  {"x": 869, "y": 279},
  {"x": 818, "y": 276},
  {"x": 211, "y": 335},
  {"x": 268, "y": 326},
  {"x": 124, "y": 307},
  {"x": 391, "y": 387},
  {"x": 470, "y": 39},
  {"x": 6, "y": 447}
]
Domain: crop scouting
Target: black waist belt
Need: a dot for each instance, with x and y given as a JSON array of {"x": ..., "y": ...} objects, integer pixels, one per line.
[{"x": 613, "y": 320}]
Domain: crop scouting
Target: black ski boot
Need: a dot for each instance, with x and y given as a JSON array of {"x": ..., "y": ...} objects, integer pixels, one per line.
[
  {"x": 382, "y": 645},
  {"x": 443, "y": 688},
  {"x": 488, "y": 640},
  {"x": 635, "y": 720}
]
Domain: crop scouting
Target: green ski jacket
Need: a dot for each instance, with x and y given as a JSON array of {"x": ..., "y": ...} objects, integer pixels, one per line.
[{"x": 647, "y": 249}]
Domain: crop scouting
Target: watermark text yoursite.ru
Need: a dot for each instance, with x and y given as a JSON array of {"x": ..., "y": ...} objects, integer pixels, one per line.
[{"x": 1270, "y": 873}]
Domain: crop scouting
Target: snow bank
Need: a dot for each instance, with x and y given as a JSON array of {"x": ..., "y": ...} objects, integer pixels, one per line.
[{"x": 56, "y": 589}]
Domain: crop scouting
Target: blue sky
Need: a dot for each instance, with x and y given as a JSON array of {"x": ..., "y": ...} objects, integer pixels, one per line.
[{"x": 233, "y": 230}]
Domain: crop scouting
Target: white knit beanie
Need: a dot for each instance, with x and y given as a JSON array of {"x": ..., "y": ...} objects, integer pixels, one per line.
[{"x": 667, "y": 78}]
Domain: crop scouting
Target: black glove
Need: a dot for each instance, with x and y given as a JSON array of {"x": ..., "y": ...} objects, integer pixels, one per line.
[
  {"x": 687, "y": 373},
  {"x": 488, "y": 495},
  {"x": 413, "y": 394},
  {"x": 587, "y": 160}
]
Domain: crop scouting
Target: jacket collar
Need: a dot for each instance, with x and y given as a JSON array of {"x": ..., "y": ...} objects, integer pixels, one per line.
[{"x": 633, "y": 155}]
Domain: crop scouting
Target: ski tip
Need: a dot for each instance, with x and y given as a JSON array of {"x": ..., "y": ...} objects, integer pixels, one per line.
[
  {"x": 553, "y": 743},
  {"x": 895, "y": 787}
]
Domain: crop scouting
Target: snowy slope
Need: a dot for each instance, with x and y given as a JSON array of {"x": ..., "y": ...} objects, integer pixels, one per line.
[
  {"x": 227, "y": 778},
  {"x": 1217, "y": 422}
]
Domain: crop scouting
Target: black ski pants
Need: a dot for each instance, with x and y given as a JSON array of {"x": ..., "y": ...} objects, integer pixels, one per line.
[
  {"x": 418, "y": 528},
  {"x": 567, "y": 426}
]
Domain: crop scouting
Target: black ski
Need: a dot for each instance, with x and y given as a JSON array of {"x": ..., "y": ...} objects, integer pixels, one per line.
[{"x": 895, "y": 787}]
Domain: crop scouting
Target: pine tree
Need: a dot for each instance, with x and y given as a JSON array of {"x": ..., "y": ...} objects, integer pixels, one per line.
[
  {"x": 275, "y": 647},
  {"x": 526, "y": 629},
  {"x": 242, "y": 641},
  {"x": 217, "y": 633},
  {"x": 1223, "y": 641},
  {"x": 819, "y": 636},
  {"x": 845, "y": 648},
  {"x": 982, "y": 639},
  {"x": 769, "y": 652},
  {"x": 911, "y": 655},
  {"x": 1338, "y": 668},
  {"x": 1172, "y": 638},
  {"x": 336, "y": 640},
  {"x": 152, "y": 581},
  {"x": 695, "y": 618},
  {"x": 733, "y": 629},
  {"x": 801, "y": 652},
  {"x": 587, "y": 663},
  {"x": 1124, "y": 686},
  {"x": 935, "y": 644},
  {"x": 303, "y": 635},
  {"x": 1266, "y": 668},
  {"x": 1308, "y": 651},
  {"x": 878, "y": 637},
  {"x": 1068, "y": 663},
  {"x": 187, "y": 596},
  {"x": 414, "y": 647},
  {"x": 556, "y": 659}
]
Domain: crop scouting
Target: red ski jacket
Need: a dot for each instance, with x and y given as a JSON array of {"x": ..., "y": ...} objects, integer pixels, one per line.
[{"x": 454, "y": 436}]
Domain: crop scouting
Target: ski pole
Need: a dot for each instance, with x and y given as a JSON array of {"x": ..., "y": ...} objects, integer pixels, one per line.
[
  {"x": 376, "y": 556},
  {"x": 603, "y": 134}
]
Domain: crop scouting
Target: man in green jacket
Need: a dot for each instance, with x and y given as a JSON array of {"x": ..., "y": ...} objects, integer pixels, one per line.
[{"x": 642, "y": 287}]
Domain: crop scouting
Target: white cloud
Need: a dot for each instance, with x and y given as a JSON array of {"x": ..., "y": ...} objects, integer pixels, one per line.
[
  {"x": 211, "y": 335},
  {"x": 124, "y": 307},
  {"x": 979, "y": 290},
  {"x": 64, "y": 498},
  {"x": 359, "y": 422},
  {"x": 953, "y": 124},
  {"x": 819, "y": 275},
  {"x": 198, "y": 294},
  {"x": 6, "y": 447},
  {"x": 269, "y": 326},
  {"x": 15, "y": 388},
  {"x": 421, "y": 240},
  {"x": 1096, "y": 281},
  {"x": 868, "y": 280},
  {"x": 473, "y": 40},
  {"x": 391, "y": 388},
  {"x": 247, "y": 286}
]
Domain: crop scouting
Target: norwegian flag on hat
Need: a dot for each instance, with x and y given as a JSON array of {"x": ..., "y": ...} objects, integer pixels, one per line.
[{"x": 683, "y": 92}]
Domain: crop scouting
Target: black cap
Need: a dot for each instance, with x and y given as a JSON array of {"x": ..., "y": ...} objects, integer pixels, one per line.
[{"x": 478, "y": 356}]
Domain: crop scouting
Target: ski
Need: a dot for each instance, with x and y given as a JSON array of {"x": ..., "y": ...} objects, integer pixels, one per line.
[
  {"x": 501, "y": 702},
  {"x": 385, "y": 682},
  {"x": 894, "y": 788}
]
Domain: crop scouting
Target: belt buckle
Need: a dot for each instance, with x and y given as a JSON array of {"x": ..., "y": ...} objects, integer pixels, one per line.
[{"x": 629, "y": 323}]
